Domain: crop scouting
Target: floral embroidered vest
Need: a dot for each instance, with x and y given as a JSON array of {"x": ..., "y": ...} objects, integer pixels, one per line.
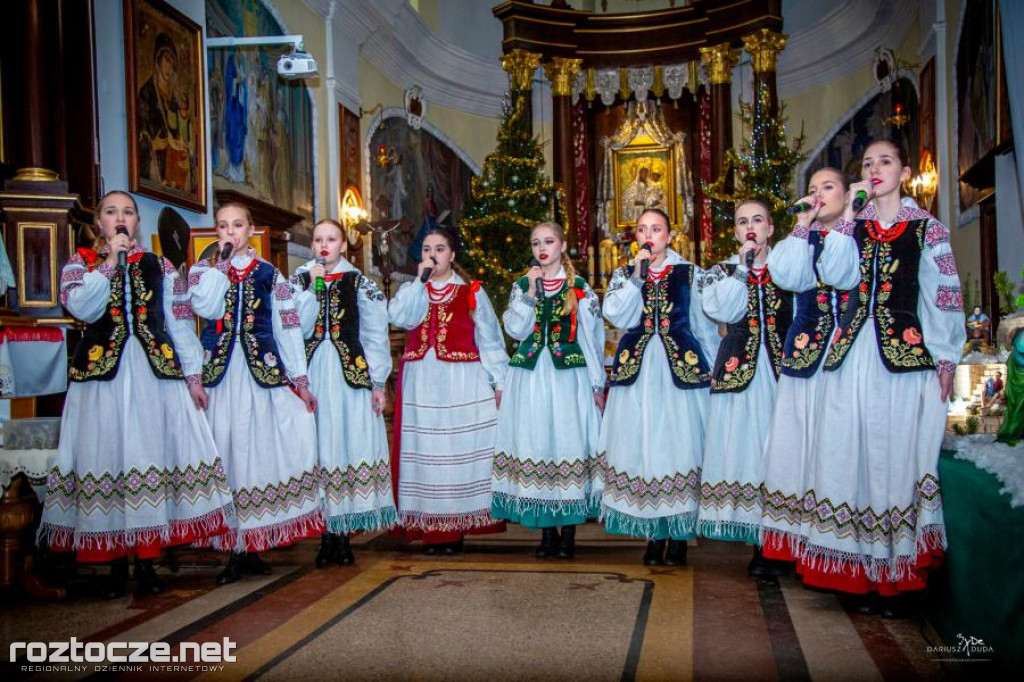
[
  {"x": 554, "y": 328},
  {"x": 889, "y": 291},
  {"x": 99, "y": 353},
  {"x": 338, "y": 317},
  {"x": 666, "y": 313},
  {"x": 769, "y": 315},
  {"x": 817, "y": 314},
  {"x": 248, "y": 314},
  {"x": 448, "y": 328}
]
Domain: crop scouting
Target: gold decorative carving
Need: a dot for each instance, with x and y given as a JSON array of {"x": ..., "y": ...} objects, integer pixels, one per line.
[
  {"x": 36, "y": 174},
  {"x": 721, "y": 60},
  {"x": 520, "y": 65},
  {"x": 763, "y": 47},
  {"x": 561, "y": 71}
]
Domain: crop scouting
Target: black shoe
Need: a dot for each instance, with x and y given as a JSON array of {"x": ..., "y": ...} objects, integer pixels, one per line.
[
  {"x": 343, "y": 551},
  {"x": 452, "y": 548},
  {"x": 231, "y": 572},
  {"x": 252, "y": 564},
  {"x": 567, "y": 546},
  {"x": 897, "y": 608},
  {"x": 432, "y": 549},
  {"x": 549, "y": 541},
  {"x": 675, "y": 555},
  {"x": 147, "y": 582},
  {"x": 118, "y": 579},
  {"x": 328, "y": 546},
  {"x": 654, "y": 556},
  {"x": 759, "y": 567}
]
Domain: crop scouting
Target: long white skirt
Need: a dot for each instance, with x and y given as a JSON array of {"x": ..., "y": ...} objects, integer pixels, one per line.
[
  {"x": 652, "y": 437},
  {"x": 449, "y": 429},
  {"x": 876, "y": 510},
  {"x": 268, "y": 441},
  {"x": 355, "y": 472},
  {"x": 546, "y": 468},
  {"x": 136, "y": 467},
  {"x": 738, "y": 427}
]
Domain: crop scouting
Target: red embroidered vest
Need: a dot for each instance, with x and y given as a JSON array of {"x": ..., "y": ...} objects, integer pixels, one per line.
[{"x": 448, "y": 327}]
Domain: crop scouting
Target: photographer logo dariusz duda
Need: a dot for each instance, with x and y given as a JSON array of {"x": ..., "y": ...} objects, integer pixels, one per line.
[
  {"x": 121, "y": 656},
  {"x": 966, "y": 649}
]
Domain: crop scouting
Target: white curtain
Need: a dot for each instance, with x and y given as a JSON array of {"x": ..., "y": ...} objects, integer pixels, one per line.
[{"x": 1012, "y": 14}]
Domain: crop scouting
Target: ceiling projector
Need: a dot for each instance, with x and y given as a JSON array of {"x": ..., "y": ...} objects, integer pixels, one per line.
[{"x": 296, "y": 65}]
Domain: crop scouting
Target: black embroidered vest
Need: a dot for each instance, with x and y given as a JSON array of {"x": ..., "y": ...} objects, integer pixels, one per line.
[
  {"x": 769, "y": 315},
  {"x": 554, "y": 329},
  {"x": 666, "y": 314},
  {"x": 816, "y": 317},
  {"x": 889, "y": 290},
  {"x": 338, "y": 317},
  {"x": 248, "y": 308},
  {"x": 99, "y": 353}
]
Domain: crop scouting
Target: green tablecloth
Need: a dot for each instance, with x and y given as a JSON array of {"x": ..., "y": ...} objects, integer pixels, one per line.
[{"x": 979, "y": 592}]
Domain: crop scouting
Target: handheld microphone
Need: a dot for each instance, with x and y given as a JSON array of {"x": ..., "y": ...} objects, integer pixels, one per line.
[
  {"x": 801, "y": 207},
  {"x": 225, "y": 253},
  {"x": 427, "y": 272},
  {"x": 751, "y": 237},
  {"x": 859, "y": 200},
  {"x": 319, "y": 285},
  {"x": 122, "y": 256},
  {"x": 539, "y": 293},
  {"x": 646, "y": 264}
]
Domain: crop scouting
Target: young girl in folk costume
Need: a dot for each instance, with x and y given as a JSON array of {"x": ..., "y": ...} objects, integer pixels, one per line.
[
  {"x": 546, "y": 471},
  {"x": 652, "y": 435},
  {"x": 137, "y": 468},
  {"x": 345, "y": 321},
  {"x": 794, "y": 267},
  {"x": 742, "y": 294},
  {"x": 875, "y": 520},
  {"x": 261, "y": 410},
  {"x": 450, "y": 386}
]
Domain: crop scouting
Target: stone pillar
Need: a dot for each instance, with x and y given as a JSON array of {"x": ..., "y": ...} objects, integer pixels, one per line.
[
  {"x": 561, "y": 71},
  {"x": 720, "y": 59}
]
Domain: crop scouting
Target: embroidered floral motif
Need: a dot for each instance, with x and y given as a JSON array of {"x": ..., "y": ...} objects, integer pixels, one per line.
[
  {"x": 555, "y": 329},
  {"x": 740, "y": 370},
  {"x": 368, "y": 480},
  {"x": 275, "y": 499},
  {"x": 163, "y": 364},
  {"x": 354, "y": 368},
  {"x": 544, "y": 474},
  {"x": 950, "y": 299},
  {"x": 370, "y": 289},
  {"x": 729, "y": 494},
  {"x": 289, "y": 318},
  {"x": 936, "y": 234},
  {"x": 282, "y": 292},
  {"x": 945, "y": 366},
  {"x": 946, "y": 264},
  {"x": 182, "y": 311},
  {"x": 108, "y": 359},
  {"x": 652, "y": 493}
]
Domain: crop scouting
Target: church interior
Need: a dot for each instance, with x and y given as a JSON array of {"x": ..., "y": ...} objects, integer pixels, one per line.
[{"x": 395, "y": 117}]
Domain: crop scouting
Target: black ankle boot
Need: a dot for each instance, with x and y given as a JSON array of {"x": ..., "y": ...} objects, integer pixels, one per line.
[
  {"x": 567, "y": 546},
  {"x": 231, "y": 572},
  {"x": 759, "y": 567},
  {"x": 146, "y": 580},
  {"x": 328, "y": 546},
  {"x": 433, "y": 549},
  {"x": 549, "y": 541},
  {"x": 117, "y": 580},
  {"x": 252, "y": 564},
  {"x": 675, "y": 555},
  {"x": 343, "y": 551},
  {"x": 452, "y": 548},
  {"x": 654, "y": 556}
]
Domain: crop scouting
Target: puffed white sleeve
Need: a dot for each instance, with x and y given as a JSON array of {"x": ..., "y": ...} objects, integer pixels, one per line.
[
  {"x": 521, "y": 314},
  {"x": 940, "y": 305},
  {"x": 307, "y": 305},
  {"x": 181, "y": 324},
  {"x": 704, "y": 328},
  {"x": 724, "y": 296},
  {"x": 85, "y": 294},
  {"x": 623, "y": 300},
  {"x": 373, "y": 330},
  {"x": 791, "y": 262},
  {"x": 288, "y": 332},
  {"x": 590, "y": 333},
  {"x": 839, "y": 263},
  {"x": 409, "y": 306},
  {"x": 489, "y": 340},
  {"x": 206, "y": 289}
]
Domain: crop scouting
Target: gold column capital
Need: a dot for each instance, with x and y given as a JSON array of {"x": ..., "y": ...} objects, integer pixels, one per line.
[
  {"x": 721, "y": 60},
  {"x": 763, "y": 47},
  {"x": 520, "y": 65},
  {"x": 561, "y": 71}
]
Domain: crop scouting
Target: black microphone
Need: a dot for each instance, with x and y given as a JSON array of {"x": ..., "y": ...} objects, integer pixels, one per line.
[
  {"x": 122, "y": 256},
  {"x": 859, "y": 199},
  {"x": 427, "y": 272},
  {"x": 539, "y": 294},
  {"x": 801, "y": 207},
  {"x": 646, "y": 264},
  {"x": 751, "y": 237},
  {"x": 319, "y": 285},
  {"x": 225, "y": 253}
]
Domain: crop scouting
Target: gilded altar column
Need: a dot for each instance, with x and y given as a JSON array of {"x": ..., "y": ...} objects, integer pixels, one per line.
[
  {"x": 721, "y": 60},
  {"x": 763, "y": 48},
  {"x": 520, "y": 65},
  {"x": 561, "y": 71}
]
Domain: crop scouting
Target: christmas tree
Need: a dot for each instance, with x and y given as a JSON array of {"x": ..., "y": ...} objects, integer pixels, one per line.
[
  {"x": 509, "y": 197},
  {"x": 764, "y": 167}
]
